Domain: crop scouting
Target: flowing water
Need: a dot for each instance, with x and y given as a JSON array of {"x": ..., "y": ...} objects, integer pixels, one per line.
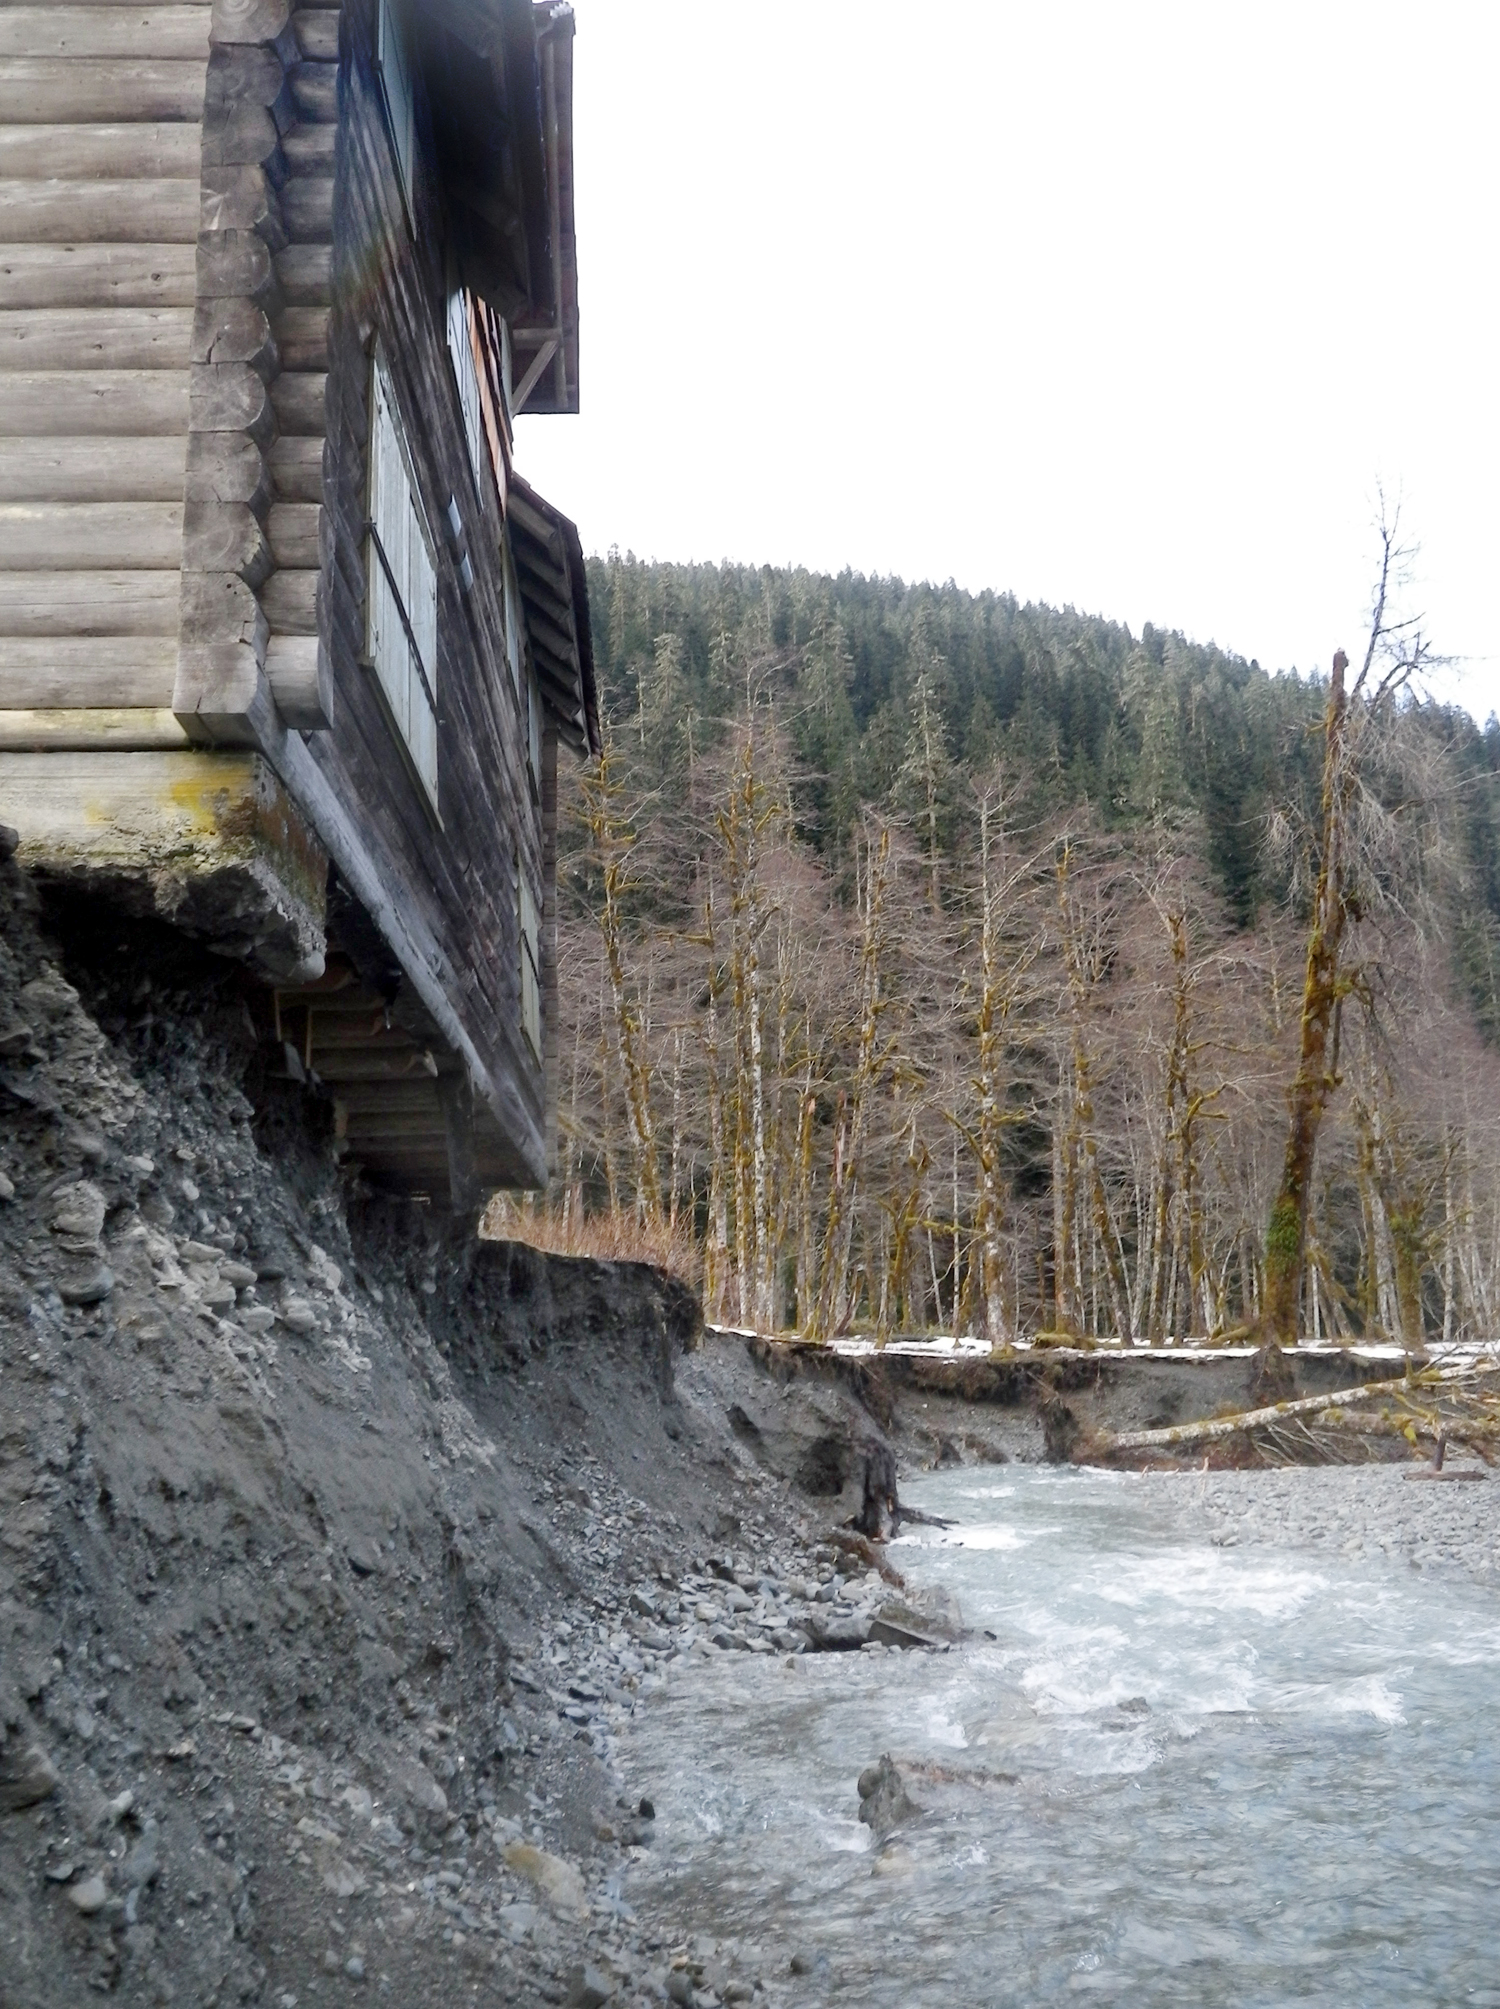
[{"x": 1179, "y": 1773}]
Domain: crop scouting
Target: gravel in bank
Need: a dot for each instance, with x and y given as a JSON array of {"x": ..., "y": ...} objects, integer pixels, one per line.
[
  {"x": 334, "y": 1550},
  {"x": 1351, "y": 1510}
]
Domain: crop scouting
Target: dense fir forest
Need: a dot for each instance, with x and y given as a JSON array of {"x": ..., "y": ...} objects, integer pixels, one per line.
[{"x": 932, "y": 960}]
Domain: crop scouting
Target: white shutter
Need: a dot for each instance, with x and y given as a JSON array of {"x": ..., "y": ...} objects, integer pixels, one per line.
[
  {"x": 402, "y": 582},
  {"x": 389, "y": 510},
  {"x": 422, "y": 610},
  {"x": 531, "y": 984},
  {"x": 534, "y": 731},
  {"x": 395, "y": 80},
  {"x": 461, "y": 350}
]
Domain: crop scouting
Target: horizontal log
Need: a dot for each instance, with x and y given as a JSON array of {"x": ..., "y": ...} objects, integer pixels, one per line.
[
  {"x": 354, "y": 1066},
  {"x": 121, "y": 212},
  {"x": 375, "y": 1119},
  {"x": 93, "y": 670},
  {"x": 94, "y": 338},
  {"x": 250, "y": 20},
  {"x": 227, "y": 467},
  {"x": 155, "y": 151},
  {"x": 68, "y": 91},
  {"x": 220, "y": 691},
  {"x": 90, "y": 536},
  {"x": 302, "y": 338},
  {"x": 225, "y": 537},
  {"x": 116, "y": 728},
  {"x": 233, "y": 330},
  {"x": 295, "y": 530},
  {"x": 242, "y": 75},
  {"x": 297, "y": 469},
  {"x": 75, "y": 402},
  {"x": 241, "y": 197},
  {"x": 356, "y": 1032},
  {"x": 98, "y": 275},
  {"x": 228, "y": 397},
  {"x": 317, "y": 34},
  {"x": 315, "y": 92},
  {"x": 82, "y": 604},
  {"x": 92, "y": 470},
  {"x": 234, "y": 264},
  {"x": 307, "y": 208},
  {"x": 240, "y": 136},
  {"x": 306, "y": 274},
  {"x": 180, "y": 33},
  {"x": 299, "y": 400},
  {"x": 290, "y": 602},
  {"x": 311, "y": 149},
  {"x": 301, "y": 680},
  {"x": 220, "y": 607}
]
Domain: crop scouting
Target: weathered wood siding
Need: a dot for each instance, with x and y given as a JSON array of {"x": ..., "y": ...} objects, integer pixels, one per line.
[
  {"x": 457, "y": 872},
  {"x": 101, "y": 114}
]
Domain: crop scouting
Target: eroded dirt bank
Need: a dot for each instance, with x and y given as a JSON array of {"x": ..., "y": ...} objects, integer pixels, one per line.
[
  {"x": 295, "y": 1492},
  {"x": 807, "y": 1412}
]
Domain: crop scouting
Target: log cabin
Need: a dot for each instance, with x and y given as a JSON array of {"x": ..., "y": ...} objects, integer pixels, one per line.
[{"x": 288, "y": 648}]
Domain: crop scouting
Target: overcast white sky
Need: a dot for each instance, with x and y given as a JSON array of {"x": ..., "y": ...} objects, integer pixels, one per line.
[{"x": 1128, "y": 306}]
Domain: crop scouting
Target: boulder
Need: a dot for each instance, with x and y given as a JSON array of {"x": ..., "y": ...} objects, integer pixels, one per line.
[
  {"x": 883, "y": 1800},
  {"x": 932, "y": 1611}
]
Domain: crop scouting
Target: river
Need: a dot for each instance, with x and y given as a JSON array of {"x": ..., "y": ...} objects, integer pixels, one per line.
[{"x": 1178, "y": 1772}]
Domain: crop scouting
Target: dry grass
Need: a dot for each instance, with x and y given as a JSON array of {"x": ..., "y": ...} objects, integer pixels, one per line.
[{"x": 618, "y": 1237}]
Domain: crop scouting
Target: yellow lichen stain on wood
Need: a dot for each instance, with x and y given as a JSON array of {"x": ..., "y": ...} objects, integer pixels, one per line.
[{"x": 142, "y": 812}]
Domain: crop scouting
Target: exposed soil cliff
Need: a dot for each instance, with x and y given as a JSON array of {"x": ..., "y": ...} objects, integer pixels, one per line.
[{"x": 289, "y": 1477}]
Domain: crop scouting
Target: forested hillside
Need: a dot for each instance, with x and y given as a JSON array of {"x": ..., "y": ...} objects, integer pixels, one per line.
[{"x": 933, "y": 959}]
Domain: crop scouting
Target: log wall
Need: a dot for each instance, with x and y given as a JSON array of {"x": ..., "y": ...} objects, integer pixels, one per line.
[{"x": 101, "y": 112}]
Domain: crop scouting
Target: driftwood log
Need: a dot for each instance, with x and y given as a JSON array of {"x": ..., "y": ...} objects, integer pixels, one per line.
[{"x": 1323, "y": 1412}]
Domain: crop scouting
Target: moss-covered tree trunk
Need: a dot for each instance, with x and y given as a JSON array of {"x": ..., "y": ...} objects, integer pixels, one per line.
[{"x": 1286, "y": 1237}]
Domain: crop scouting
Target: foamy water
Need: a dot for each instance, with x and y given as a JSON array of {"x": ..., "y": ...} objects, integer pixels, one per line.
[{"x": 1179, "y": 1773}]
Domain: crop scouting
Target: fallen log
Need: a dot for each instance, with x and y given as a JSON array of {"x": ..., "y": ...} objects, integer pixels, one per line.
[{"x": 1212, "y": 1428}]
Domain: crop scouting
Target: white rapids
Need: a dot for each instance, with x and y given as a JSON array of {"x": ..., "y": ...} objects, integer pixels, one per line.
[{"x": 1177, "y": 1772}]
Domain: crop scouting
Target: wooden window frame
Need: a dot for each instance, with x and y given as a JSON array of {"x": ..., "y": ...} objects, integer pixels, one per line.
[
  {"x": 529, "y": 911},
  {"x": 400, "y": 620},
  {"x": 398, "y": 95}
]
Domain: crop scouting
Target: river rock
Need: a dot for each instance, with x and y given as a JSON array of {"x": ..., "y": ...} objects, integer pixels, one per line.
[
  {"x": 557, "y": 1880},
  {"x": 78, "y": 1212},
  {"x": 588, "y": 1988},
  {"x": 837, "y": 1635},
  {"x": 27, "y": 1776},
  {"x": 86, "y": 1283},
  {"x": 933, "y": 1611},
  {"x": 883, "y": 1800},
  {"x": 416, "y": 1785},
  {"x": 89, "y": 1896}
]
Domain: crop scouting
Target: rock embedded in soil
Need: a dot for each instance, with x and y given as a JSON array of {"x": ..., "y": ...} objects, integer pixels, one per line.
[{"x": 27, "y": 1776}]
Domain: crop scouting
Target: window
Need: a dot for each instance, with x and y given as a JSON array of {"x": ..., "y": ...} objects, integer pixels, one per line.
[
  {"x": 534, "y": 733},
  {"x": 531, "y": 954},
  {"x": 402, "y": 596},
  {"x": 393, "y": 56},
  {"x": 461, "y": 351}
]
